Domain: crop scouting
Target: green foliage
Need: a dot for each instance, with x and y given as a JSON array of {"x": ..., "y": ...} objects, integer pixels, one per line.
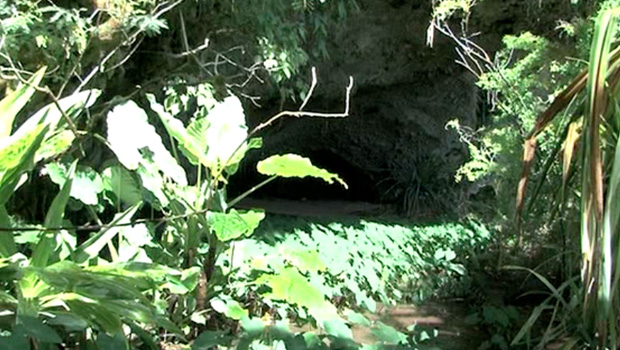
[
  {"x": 500, "y": 322},
  {"x": 69, "y": 39},
  {"x": 524, "y": 86},
  {"x": 50, "y": 35},
  {"x": 598, "y": 165},
  {"x": 48, "y": 292},
  {"x": 278, "y": 38},
  {"x": 444, "y": 9},
  {"x": 130, "y": 280},
  {"x": 366, "y": 261}
]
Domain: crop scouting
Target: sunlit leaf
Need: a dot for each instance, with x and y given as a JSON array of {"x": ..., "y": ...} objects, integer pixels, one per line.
[
  {"x": 7, "y": 240},
  {"x": 253, "y": 326},
  {"x": 87, "y": 183},
  {"x": 226, "y": 133},
  {"x": 16, "y": 157},
  {"x": 54, "y": 217},
  {"x": 294, "y": 288},
  {"x": 94, "y": 244},
  {"x": 191, "y": 147},
  {"x": 55, "y": 145},
  {"x": 51, "y": 116},
  {"x": 234, "y": 224},
  {"x": 231, "y": 308},
  {"x": 15, "y": 102},
  {"x": 357, "y": 318},
  {"x": 304, "y": 260},
  {"x": 292, "y": 165},
  {"x": 387, "y": 334},
  {"x": 338, "y": 328},
  {"x": 125, "y": 123}
]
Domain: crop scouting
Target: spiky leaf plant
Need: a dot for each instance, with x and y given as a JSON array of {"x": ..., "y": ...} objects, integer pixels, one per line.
[{"x": 593, "y": 127}]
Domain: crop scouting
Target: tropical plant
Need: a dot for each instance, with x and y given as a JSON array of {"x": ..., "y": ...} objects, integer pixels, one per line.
[
  {"x": 46, "y": 287},
  {"x": 89, "y": 290},
  {"x": 592, "y": 126}
]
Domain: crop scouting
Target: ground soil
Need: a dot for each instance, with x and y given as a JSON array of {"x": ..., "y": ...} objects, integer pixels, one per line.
[
  {"x": 314, "y": 208},
  {"x": 448, "y": 318}
]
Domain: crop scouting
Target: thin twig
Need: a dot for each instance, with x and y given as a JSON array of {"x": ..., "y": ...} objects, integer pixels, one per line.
[
  {"x": 104, "y": 226},
  {"x": 190, "y": 52},
  {"x": 309, "y": 91}
]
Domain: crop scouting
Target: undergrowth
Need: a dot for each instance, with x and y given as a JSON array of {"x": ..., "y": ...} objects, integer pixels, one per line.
[{"x": 364, "y": 261}]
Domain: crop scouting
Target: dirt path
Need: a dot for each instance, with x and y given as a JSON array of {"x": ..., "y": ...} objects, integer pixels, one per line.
[
  {"x": 447, "y": 318},
  {"x": 317, "y": 208}
]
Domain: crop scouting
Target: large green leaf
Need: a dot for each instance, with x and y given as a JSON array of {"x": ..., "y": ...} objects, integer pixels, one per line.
[
  {"x": 55, "y": 145},
  {"x": 17, "y": 152},
  {"x": 252, "y": 326},
  {"x": 69, "y": 321},
  {"x": 226, "y": 134},
  {"x": 122, "y": 184},
  {"x": 338, "y": 328},
  {"x": 7, "y": 241},
  {"x": 357, "y": 318},
  {"x": 291, "y": 286},
  {"x": 54, "y": 217},
  {"x": 135, "y": 142},
  {"x": 87, "y": 183},
  {"x": 153, "y": 183},
  {"x": 100, "y": 316},
  {"x": 216, "y": 141},
  {"x": 38, "y": 330},
  {"x": 104, "y": 296},
  {"x": 16, "y": 157},
  {"x": 193, "y": 147},
  {"x": 15, "y": 102},
  {"x": 116, "y": 342},
  {"x": 388, "y": 335},
  {"x": 18, "y": 339},
  {"x": 229, "y": 307},
  {"x": 211, "y": 339},
  {"x": 234, "y": 224},
  {"x": 88, "y": 285},
  {"x": 305, "y": 260},
  {"x": 51, "y": 116},
  {"x": 292, "y": 165}
]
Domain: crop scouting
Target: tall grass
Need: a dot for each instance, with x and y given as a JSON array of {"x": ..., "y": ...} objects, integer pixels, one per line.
[{"x": 595, "y": 93}]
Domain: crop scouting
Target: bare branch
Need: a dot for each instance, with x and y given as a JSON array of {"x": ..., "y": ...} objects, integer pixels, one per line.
[
  {"x": 299, "y": 114},
  {"x": 192, "y": 51},
  {"x": 311, "y": 91}
]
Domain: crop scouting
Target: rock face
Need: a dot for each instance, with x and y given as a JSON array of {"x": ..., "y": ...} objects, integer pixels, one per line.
[
  {"x": 395, "y": 147},
  {"x": 394, "y": 144}
]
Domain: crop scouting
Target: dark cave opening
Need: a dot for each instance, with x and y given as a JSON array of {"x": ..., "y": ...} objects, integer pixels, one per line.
[{"x": 361, "y": 186}]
